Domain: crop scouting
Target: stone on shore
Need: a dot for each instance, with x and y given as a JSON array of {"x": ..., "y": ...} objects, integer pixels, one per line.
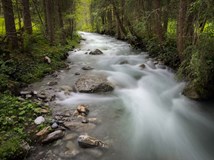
[{"x": 53, "y": 136}]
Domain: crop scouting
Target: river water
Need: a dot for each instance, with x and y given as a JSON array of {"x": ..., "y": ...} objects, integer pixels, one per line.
[{"x": 146, "y": 117}]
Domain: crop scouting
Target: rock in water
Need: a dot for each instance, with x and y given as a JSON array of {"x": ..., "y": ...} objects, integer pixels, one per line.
[
  {"x": 53, "y": 136},
  {"x": 86, "y": 141},
  {"x": 96, "y": 52},
  {"x": 39, "y": 120},
  {"x": 142, "y": 66},
  {"x": 93, "y": 84},
  {"x": 52, "y": 83},
  {"x": 87, "y": 68},
  {"x": 83, "y": 109},
  {"x": 124, "y": 62}
]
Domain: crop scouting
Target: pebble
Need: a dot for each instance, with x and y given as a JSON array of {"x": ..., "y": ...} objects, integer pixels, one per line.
[
  {"x": 54, "y": 126},
  {"x": 39, "y": 120}
]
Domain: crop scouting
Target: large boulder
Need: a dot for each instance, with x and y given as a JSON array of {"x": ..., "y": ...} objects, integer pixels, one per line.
[
  {"x": 93, "y": 84},
  {"x": 96, "y": 52}
]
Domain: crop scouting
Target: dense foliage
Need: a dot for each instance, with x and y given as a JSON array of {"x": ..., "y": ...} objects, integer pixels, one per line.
[{"x": 178, "y": 32}]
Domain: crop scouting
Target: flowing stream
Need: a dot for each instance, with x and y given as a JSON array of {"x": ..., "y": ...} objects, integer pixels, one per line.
[{"x": 146, "y": 117}]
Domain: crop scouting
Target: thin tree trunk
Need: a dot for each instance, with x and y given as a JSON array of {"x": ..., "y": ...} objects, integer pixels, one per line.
[
  {"x": 10, "y": 24},
  {"x": 61, "y": 24},
  {"x": 181, "y": 37},
  {"x": 27, "y": 17},
  {"x": 119, "y": 22},
  {"x": 49, "y": 15},
  {"x": 158, "y": 23},
  {"x": 45, "y": 17}
]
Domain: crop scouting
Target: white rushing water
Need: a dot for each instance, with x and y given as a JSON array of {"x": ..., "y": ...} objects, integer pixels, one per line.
[{"x": 146, "y": 116}]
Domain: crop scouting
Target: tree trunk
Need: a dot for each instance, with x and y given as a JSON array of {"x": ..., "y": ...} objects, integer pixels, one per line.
[
  {"x": 119, "y": 22},
  {"x": 158, "y": 23},
  {"x": 10, "y": 24},
  {"x": 45, "y": 18},
  {"x": 181, "y": 26},
  {"x": 49, "y": 16},
  {"x": 27, "y": 17},
  {"x": 61, "y": 24}
]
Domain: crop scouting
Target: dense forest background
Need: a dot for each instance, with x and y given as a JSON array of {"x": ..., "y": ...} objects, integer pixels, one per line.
[{"x": 177, "y": 32}]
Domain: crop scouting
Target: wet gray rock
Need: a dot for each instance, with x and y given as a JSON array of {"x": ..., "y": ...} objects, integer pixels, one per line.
[
  {"x": 54, "y": 126},
  {"x": 142, "y": 66},
  {"x": 93, "y": 84},
  {"x": 53, "y": 136},
  {"x": 124, "y": 62},
  {"x": 96, "y": 52},
  {"x": 25, "y": 92},
  {"x": 52, "y": 83},
  {"x": 77, "y": 74},
  {"x": 87, "y": 68},
  {"x": 86, "y": 141}
]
